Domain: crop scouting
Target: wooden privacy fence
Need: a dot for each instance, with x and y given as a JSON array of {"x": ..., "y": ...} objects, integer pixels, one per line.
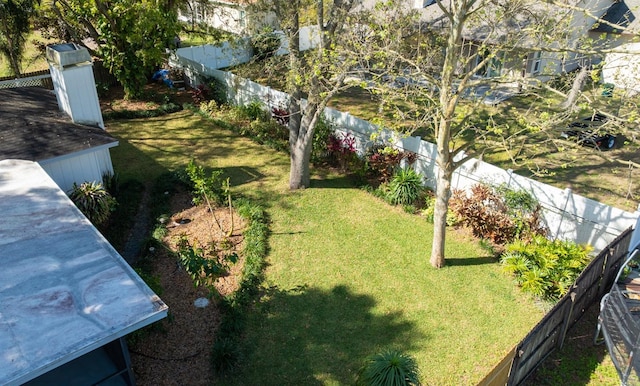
[{"x": 550, "y": 332}]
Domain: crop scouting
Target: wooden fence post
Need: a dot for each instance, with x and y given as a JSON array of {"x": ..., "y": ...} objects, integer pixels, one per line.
[{"x": 567, "y": 320}]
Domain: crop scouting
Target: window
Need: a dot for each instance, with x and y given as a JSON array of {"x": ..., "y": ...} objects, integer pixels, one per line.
[{"x": 534, "y": 62}]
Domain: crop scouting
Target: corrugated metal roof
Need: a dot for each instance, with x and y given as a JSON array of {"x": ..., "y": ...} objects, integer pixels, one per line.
[
  {"x": 33, "y": 128},
  {"x": 64, "y": 290}
]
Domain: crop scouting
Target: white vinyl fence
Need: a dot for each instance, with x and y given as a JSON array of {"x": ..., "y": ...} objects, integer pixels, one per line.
[{"x": 567, "y": 215}]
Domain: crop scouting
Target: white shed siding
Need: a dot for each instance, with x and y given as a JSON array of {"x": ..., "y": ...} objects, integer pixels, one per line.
[
  {"x": 76, "y": 93},
  {"x": 78, "y": 167}
]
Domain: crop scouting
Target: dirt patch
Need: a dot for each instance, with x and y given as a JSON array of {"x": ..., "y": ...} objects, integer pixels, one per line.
[
  {"x": 177, "y": 350},
  {"x": 113, "y": 99}
]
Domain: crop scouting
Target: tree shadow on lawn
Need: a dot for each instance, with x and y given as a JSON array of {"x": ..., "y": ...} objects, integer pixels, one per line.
[
  {"x": 311, "y": 336},
  {"x": 466, "y": 261}
]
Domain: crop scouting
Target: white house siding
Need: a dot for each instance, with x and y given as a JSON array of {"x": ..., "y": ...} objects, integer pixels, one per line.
[
  {"x": 89, "y": 165},
  {"x": 622, "y": 69}
]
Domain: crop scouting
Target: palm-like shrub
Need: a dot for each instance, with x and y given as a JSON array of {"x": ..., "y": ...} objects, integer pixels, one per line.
[
  {"x": 389, "y": 368},
  {"x": 93, "y": 200},
  {"x": 405, "y": 187},
  {"x": 545, "y": 268}
]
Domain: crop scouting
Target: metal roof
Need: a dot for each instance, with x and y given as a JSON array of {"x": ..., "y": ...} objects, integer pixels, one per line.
[{"x": 64, "y": 290}]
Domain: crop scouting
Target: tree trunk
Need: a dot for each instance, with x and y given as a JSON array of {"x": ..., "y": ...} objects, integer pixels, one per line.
[
  {"x": 301, "y": 144},
  {"x": 576, "y": 88},
  {"x": 443, "y": 193}
]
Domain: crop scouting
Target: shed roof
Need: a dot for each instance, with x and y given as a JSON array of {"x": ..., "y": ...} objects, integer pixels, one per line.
[
  {"x": 33, "y": 128},
  {"x": 64, "y": 290}
]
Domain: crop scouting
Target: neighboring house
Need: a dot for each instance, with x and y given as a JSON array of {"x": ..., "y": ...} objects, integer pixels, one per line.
[
  {"x": 62, "y": 131},
  {"x": 235, "y": 16},
  {"x": 531, "y": 60},
  {"x": 619, "y": 31},
  {"x": 526, "y": 59}
]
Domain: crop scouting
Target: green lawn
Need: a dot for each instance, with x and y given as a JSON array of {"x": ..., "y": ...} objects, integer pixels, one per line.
[
  {"x": 33, "y": 58},
  {"x": 346, "y": 274}
]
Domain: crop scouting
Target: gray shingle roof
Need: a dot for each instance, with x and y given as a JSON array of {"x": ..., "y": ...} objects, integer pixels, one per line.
[
  {"x": 33, "y": 128},
  {"x": 623, "y": 14}
]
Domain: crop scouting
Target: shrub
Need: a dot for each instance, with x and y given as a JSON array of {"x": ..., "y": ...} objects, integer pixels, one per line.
[
  {"x": 209, "y": 107},
  {"x": 321, "y": 134},
  {"x": 545, "y": 268},
  {"x": 225, "y": 355},
  {"x": 280, "y": 115},
  {"x": 390, "y": 367},
  {"x": 384, "y": 161},
  {"x": 429, "y": 209},
  {"x": 111, "y": 183},
  {"x": 405, "y": 188},
  {"x": 217, "y": 91},
  {"x": 492, "y": 216},
  {"x": 203, "y": 270},
  {"x": 93, "y": 200},
  {"x": 253, "y": 111},
  {"x": 341, "y": 148}
]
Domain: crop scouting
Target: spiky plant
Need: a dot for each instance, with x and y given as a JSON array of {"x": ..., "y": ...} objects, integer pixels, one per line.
[
  {"x": 93, "y": 200},
  {"x": 389, "y": 368},
  {"x": 405, "y": 187}
]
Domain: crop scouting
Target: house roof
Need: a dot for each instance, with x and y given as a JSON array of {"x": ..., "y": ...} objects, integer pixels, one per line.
[
  {"x": 495, "y": 21},
  {"x": 33, "y": 128},
  {"x": 64, "y": 291},
  {"x": 621, "y": 13}
]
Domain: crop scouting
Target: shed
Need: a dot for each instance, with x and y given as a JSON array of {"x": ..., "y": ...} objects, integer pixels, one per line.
[
  {"x": 67, "y": 298},
  {"x": 33, "y": 128}
]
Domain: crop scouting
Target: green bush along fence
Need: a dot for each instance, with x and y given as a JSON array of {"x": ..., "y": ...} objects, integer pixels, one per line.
[{"x": 550, "y": 332}]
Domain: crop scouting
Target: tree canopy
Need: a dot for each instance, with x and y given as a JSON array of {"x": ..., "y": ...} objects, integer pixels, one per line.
[
  {"x": 434, "y": 66},
  {"x": 131, "y": 36}
]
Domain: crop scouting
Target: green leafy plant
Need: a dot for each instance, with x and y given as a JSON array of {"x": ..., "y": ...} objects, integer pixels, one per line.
[
  {"x": 389, "y": 368},
  {"x": 203, "y": 270},
  {"x": 254, "y": 111},
  {"x": 225, "y": 355},
  {"x": 429, "y": 208},
  {"x": 324, "y": 129},
  {"x": 205, "y": 189},
  {"x": 405, "y": 188},
  {"x": 545, "y": 268},
  {"x": 93, "y": 200}
]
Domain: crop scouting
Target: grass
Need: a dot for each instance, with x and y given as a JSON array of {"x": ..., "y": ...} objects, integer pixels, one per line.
[
  {"x": 33, "y": 58},
  {"x": 347, "y": 275}
]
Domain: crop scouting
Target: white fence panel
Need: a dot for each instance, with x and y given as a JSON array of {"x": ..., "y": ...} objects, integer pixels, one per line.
[
  {"x": 222, "y": 56},
  {"x": 567, "y": 215}
]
